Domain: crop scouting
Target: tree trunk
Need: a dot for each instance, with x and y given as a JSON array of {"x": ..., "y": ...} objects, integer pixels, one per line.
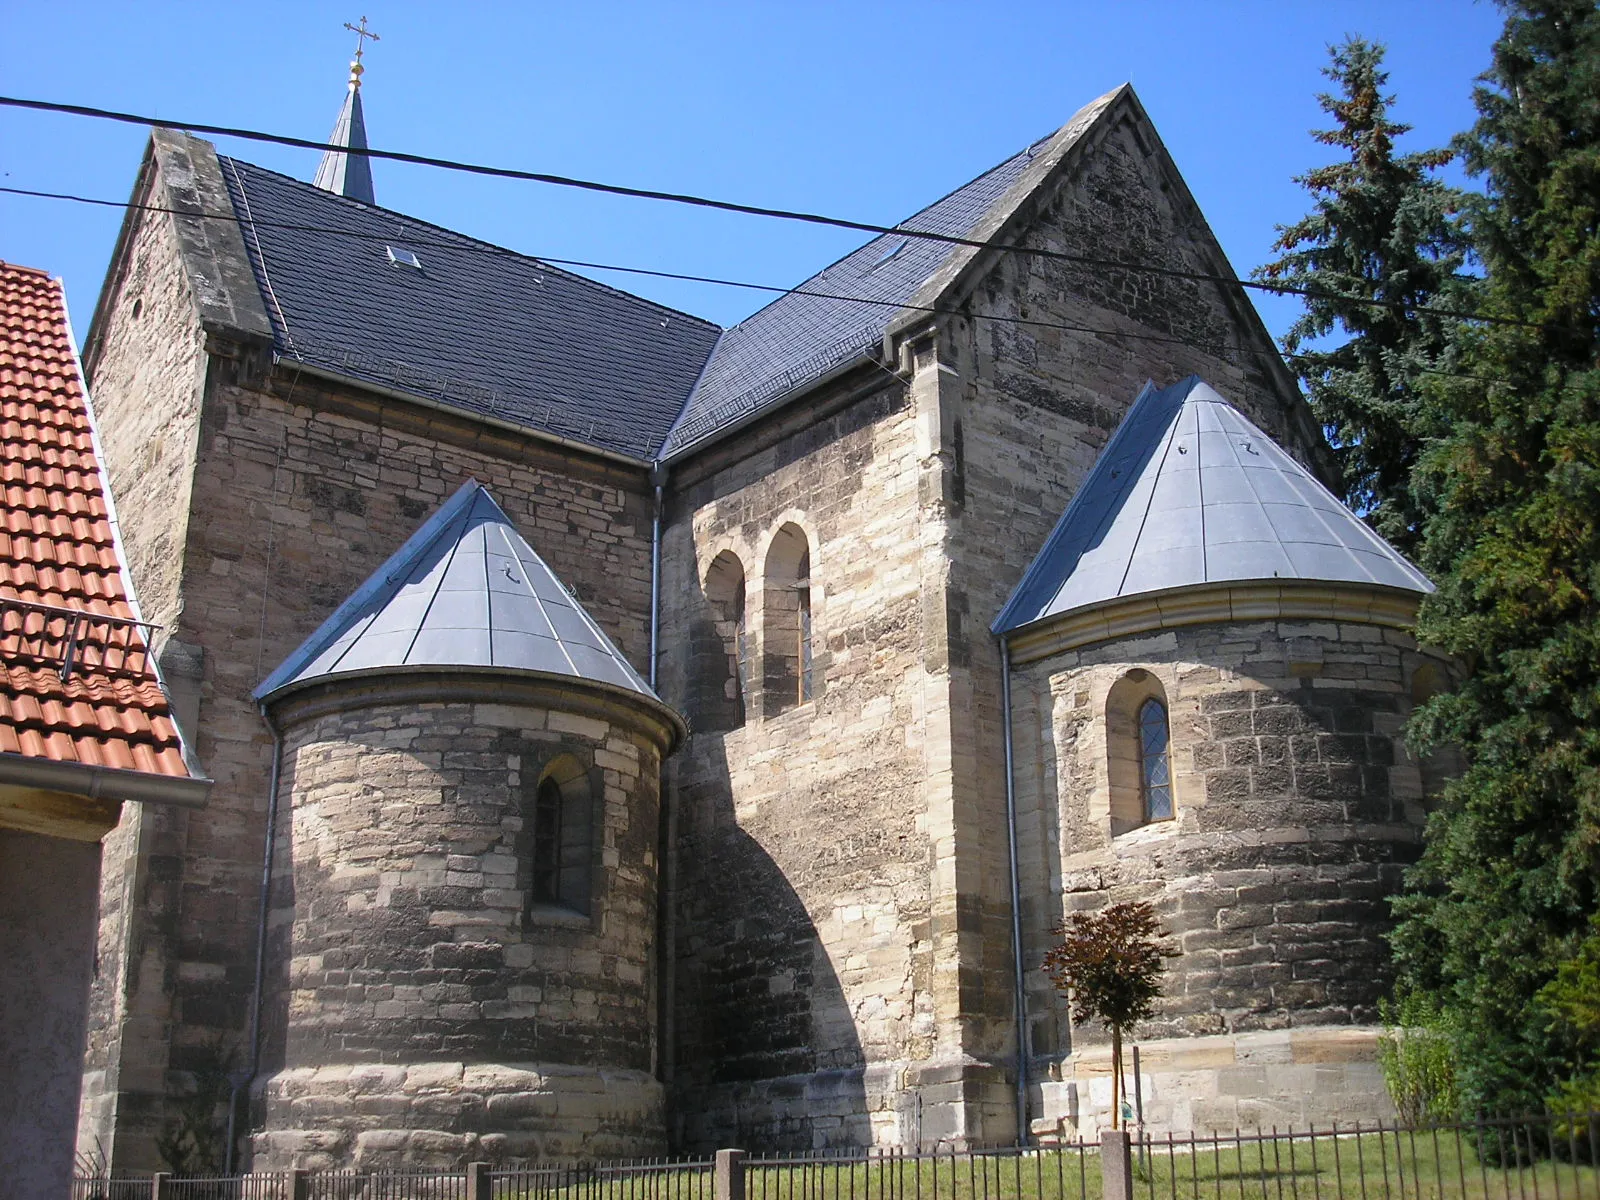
[{"x": 1116, "y": 1077}]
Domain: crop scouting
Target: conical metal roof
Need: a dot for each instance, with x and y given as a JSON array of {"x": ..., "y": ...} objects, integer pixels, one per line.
[
  {"x": 1189, "y": 492},
  {"x": 465, "y": 591},
  {"x": 347, "y": 174}
]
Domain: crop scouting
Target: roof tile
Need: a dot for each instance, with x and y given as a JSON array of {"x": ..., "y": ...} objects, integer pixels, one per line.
[{"x": 58, "y": 556}]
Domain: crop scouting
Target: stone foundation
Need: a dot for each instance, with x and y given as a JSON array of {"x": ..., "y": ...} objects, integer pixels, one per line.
[
  {"x": 1282, "y": 1078},
  {"x": 442, "y": 1115}
]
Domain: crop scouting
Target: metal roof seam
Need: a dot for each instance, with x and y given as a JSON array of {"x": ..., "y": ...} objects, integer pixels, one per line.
[
  {"x": 1255, "y": 492},
  {"x": 444, "y": 573},
  {"x": 1166, "y": 450},
  {"x": 538, "y": 600}
]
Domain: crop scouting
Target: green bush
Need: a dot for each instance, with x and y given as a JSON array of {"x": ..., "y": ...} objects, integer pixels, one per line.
[{"x": 1417, "y": 1055}]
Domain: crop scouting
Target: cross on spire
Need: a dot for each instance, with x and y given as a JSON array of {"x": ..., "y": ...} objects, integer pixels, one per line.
[
  {"x": 362, "y": 34},
  {"x": 341, "y": 171}
]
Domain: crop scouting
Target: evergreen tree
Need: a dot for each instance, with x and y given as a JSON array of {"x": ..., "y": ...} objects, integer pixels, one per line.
[
  {"x": 1382, "y": 228},
  {"x": 1510, "y": 875}
]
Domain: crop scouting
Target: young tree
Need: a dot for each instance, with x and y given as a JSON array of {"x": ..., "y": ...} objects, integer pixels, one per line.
[
  {"x": 1510, "y": 875},
  {"x": 1109, "y": 965},
  {"x": 1381, "y": 228}
]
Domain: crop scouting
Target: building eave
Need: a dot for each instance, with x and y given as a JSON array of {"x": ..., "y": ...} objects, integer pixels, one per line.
[{"x": 1211, "y": 604}]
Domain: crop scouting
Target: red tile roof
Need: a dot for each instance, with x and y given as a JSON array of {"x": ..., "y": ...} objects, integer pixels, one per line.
[{"x": 58, "y": 559}]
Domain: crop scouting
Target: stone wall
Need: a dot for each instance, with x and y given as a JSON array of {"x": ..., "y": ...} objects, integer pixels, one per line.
[
  {"x": 422, "y": 1011},
  {"x": 923, "y": 519},
  {"x": 799, "y": 884},
  {"x": 1297, "y": 810},
  {"x": 301, "y": 488},
  {"x": 146, "y": 371},
  {"x": 47, "y": 932},
  {"x": 1024, "y": 397}
]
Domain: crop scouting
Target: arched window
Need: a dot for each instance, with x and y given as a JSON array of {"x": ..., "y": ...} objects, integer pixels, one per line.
[
  {"x": 802, "y": 592},
  {"x": 1139, "y": 749},
  {"x": 788, "y": 674},
  {"x": 725, "y": 665},
  {"x": 554, "y": 850},
  {"x": 1155, "y": 774}
]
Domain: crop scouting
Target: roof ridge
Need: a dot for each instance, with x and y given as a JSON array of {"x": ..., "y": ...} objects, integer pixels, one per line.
[
  {"x": 39, "y": 271},
  {"x": 467, "y": 237}
]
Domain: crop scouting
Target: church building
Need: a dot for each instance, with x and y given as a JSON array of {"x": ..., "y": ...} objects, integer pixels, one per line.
[{"x": 634, "y": 736}]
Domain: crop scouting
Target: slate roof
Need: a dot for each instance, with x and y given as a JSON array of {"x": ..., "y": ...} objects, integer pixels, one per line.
[
  {"x": 58, "y": 558},
  {"x": 344, "y": 174},
  {"x": 799, "y": 338},
  {"x": 503, "y": 335},
  {"x": 1189, "y": 492},
  {"x": 466, "y": 590},
  {"x": 478, "y": 327}
]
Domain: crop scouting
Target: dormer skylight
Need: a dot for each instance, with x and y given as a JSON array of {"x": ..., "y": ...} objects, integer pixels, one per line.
[
  {"x": 399, "y": 257},
  {"x": 889, "y": 253}
]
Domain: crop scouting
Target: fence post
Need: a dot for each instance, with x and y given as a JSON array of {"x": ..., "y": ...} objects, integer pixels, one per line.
[
  {"x": 478, "y": 1186},
  {"x": 1116, "y": 1165},
  {"x": 299, "y": 1184},
  {"x": 158, "y": 1185},
  {"x": 727, "y": 1180}
]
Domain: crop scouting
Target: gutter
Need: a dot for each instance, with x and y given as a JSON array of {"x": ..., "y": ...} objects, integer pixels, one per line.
[
  {"x": 103, "y": 783},
  {"x": 658, "y": 478},
  {"x": 1016, "y": 896},
  {"x": 463, "y": 413},
  {"x": 241, "y": 1083}
]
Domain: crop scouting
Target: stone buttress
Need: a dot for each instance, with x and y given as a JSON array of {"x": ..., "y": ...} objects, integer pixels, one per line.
[{"x": 461, "y": 962}]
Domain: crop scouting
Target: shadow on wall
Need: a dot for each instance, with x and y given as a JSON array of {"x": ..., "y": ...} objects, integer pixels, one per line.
[{"x": 766, "y": 1052}]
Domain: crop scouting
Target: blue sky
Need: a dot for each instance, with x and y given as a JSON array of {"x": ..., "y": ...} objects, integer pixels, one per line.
[{"x": 866, "y": 110}]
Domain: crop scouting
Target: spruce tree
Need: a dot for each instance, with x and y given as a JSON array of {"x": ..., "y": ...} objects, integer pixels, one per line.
[
  {"x": 1382, "y": 228},
  {"x": 1510, "y": 875}
]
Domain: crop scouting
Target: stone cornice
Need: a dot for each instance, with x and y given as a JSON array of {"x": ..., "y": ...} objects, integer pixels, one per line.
[
  {"x": 1211, "y": 604},
  {"x": 418, "y": 686}
]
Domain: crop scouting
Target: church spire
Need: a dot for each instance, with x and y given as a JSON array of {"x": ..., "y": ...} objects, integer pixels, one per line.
[{"x": 349, "y": 174}]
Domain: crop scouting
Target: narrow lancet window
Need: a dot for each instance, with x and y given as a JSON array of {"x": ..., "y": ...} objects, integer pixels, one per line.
[
  {"x": 788, "y": 675},
  {"x": 1154, "y": 769},
  {"x": 722, "y": 662},
  {"x": 802, "y": 588},
  {"x": 741, "y": 644},
  {"x": 555, "y": 845},
  {"x": 545, "y": 886}
]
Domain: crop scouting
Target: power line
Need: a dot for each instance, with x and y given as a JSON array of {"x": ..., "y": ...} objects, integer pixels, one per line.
[
  {"x": 474, "y": 246},
  {"x": 782, "y": 214}
]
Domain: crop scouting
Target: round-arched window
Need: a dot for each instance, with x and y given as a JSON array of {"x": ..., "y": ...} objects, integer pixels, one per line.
[{"x": 1155, "y": 774}]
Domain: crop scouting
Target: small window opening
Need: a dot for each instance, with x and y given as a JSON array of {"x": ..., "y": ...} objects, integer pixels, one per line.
[
  {"x": 722, "y": 656},
  {"x": 889, "y": 253},
  {"x": 1154, "y": 769},
  {"x": 545, "y": 887},
  {"x": 802, "y": 589},
  {"x": 788, "y": 675},
  {"x": 404, "y": 258},
  {"x": 1139, "y": 751},
  {"x": 554, "y": 847}
]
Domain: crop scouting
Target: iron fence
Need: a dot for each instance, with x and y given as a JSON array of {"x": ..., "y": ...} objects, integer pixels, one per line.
[
  {"x": 647, "y": 1179},
  {"x": 1009, "y": 1173},
  {"x": 1515, "y": 1159},
  {"x": 1525, "y": 1159}
]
